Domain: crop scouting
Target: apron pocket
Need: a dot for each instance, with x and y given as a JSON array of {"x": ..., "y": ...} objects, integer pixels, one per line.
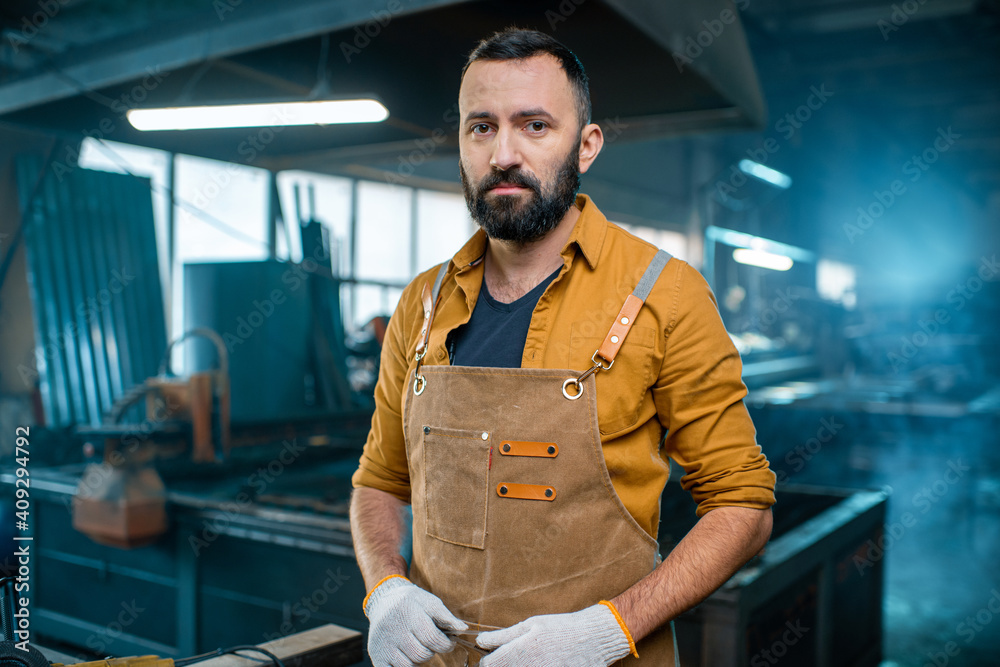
[{"x": 456, "y": 480}]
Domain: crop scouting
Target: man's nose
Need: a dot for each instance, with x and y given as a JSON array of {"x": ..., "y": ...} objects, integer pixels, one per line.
[{"x": 505, "y": 151}]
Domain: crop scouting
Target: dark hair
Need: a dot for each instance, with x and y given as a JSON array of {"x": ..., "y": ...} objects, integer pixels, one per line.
[{"x": 519, "y": 44}]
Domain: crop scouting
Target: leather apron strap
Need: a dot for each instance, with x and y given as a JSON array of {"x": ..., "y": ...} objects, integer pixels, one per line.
[
  {"x": 633, "y": 303},
  {"x": 429, "y": 301},
  {"x": 620, "y": 327}
]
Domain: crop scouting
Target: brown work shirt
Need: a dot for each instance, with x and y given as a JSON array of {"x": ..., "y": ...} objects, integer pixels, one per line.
[{"x": 677, "y": 370}]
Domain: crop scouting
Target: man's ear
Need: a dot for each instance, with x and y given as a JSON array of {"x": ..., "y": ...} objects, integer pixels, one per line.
[{"x": 591, "y": 143}]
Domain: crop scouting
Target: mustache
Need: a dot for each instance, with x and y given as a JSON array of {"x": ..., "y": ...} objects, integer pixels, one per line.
[{"x": 513, "y": 177}]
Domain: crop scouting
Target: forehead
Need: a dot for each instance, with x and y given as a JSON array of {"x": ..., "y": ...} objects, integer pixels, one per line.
[{"x": 498, "y": 86}]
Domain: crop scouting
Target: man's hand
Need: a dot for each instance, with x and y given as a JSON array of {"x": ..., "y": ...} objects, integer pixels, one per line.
[
  {"x": 406, "y": 624},
  {"x": 588, "y": 638}
]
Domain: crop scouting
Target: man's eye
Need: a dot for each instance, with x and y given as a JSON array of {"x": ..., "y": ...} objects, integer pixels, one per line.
[
  {"x": 480, "y": 128},
  {"x": 536, "y": 126}
]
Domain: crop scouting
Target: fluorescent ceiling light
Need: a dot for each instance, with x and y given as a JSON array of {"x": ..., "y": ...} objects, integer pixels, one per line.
[
  {"x": 322, "y": 112},
  {"x": 741, "y": 240},
  {"x": 763, "y": 259},
  {"x": 766, "y": 174}
]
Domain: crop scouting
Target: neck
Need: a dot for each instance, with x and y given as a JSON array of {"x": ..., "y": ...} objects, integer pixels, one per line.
[{"x": 514, "y": 269}]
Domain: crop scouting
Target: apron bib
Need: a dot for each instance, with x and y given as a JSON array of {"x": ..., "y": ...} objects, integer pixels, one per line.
[{"x": 514, "y": 513}]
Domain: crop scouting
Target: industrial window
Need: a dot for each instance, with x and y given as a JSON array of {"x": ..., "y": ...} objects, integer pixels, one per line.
[
  {"x": 837, "y": 282},
  {"x": 306, "y": 195},
  {"x": 443, "y": 225},
  {"x": 221, "y": 214}
]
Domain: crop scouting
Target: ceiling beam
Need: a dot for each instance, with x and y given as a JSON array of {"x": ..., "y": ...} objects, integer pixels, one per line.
[
  {"x": 726, "y": 62},
  {"x": 217, "y": 34}
]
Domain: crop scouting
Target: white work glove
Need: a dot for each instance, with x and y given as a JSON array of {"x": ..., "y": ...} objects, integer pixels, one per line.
[
  {"x": 406, "y": 624},
  {"x": 592, "y": 637}
]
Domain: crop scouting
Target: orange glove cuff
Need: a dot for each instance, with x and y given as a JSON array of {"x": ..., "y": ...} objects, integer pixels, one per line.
[
  {"x": 621, "y": 623},
  {"x": 364, "y": 604}
]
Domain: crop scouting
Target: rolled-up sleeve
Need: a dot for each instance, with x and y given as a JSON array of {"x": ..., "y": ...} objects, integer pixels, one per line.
[
  {"x": 383, "y": 462},
  {"x": 699, "y": 398}
]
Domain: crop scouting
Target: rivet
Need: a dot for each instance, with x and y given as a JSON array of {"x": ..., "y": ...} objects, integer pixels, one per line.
[
  {"x": 486, "y": 436},
  {"x": 552, "y": 449},
  {"x": 624, "y": 320},
  {"x": 427, "y": 429},
  {"x": 548, "y": 493},
  {"x": 503, "y": 490},
  {"x": 614, "y": 339},
  {"x": 506, "y": 447}
]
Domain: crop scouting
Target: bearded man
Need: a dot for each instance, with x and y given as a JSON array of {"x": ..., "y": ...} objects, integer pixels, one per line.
[{"x": 533, "y": 392}]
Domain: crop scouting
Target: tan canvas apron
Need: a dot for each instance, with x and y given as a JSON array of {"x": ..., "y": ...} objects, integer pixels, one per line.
[{"x": 514, "y": 514}]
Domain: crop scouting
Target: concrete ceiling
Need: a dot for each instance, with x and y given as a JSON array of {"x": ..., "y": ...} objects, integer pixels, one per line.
[{"x": 79, "y": 69}]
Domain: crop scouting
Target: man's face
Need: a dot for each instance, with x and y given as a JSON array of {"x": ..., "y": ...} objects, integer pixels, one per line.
[{"x": 519, "y": 143}]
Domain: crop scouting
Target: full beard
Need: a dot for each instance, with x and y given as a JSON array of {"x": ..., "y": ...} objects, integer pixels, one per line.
[{"x": 506, "y": 218}]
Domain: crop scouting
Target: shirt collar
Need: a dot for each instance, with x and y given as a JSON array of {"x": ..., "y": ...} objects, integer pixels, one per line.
[
  {"x": 589, "y": 232},
  {"x": 588, "y": 235}
]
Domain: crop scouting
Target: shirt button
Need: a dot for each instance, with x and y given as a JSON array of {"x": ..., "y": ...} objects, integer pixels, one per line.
[
  {"x": 486, "y": 436},
  {"x": 440, "y": 354}
]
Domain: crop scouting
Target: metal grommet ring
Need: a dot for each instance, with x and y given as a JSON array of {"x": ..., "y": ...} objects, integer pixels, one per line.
[
  {"x": 579, "y": 389},
  {"x": 419, "y": 380}
]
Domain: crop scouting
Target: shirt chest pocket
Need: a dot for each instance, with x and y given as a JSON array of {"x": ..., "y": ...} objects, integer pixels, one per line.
[{"x": 621, "y": 389}]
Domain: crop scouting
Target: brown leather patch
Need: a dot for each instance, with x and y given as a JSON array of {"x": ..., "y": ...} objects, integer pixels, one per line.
[
  {"x": 616, "y": 336},
  {"x": 526, "y": 491},
  {"x": 522, "y": 448}
]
